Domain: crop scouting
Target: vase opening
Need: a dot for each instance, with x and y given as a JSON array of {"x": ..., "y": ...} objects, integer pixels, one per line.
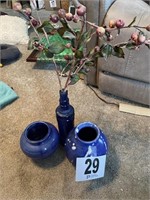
[
  {"x": 87, "y": 134},
  {"x": 37, "y": 131}
]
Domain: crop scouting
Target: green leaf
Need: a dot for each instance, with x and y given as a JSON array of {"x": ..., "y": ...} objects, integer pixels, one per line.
[
  {"x": 47, "y": 27},
  {"x": 122, "y": 44},
  {"x": 89, "y": 63},
  {"x": 46, "y": 23},
  {"x": 64, "y": 23},
  {"x": 56, "y": 47},
  {"x": 66, "y": 26},
  {"x": 86, "y": 36},
  {"x": 118, "y": 52},
  {"x": 66, "y": 68},
  {"x": 131, "y": 46},
  {"x": 84, "y": 71},
  {"x": 79, "y": 54},
  {"x": 106, "y": 50},
  {"x": 48, "y": 53},
  {"x": 74, "y": 79},
  {"x": 107, "y": 33},
  {"x": 141, "y": 32},
  {"x": 68, "y": 35},
  {"x": 132, "y": 22},
  {"x": 61, "y": 31},
  {"x": 77, "y": 32}
]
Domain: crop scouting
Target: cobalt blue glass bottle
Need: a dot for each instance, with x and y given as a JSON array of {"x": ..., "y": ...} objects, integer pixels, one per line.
[
  {"x": 39, "y": 140},
  {"x": 65, "y": 116},
  {"x": 85, "y": 140}
]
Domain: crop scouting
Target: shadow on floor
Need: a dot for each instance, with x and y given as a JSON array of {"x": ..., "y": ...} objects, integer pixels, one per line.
[{"x": 55, "y": 159}]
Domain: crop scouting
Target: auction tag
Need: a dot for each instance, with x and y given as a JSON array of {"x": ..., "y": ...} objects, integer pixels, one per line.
[
  {"x": 53, "y": 3},
  {"x": 89, "y": 168}
]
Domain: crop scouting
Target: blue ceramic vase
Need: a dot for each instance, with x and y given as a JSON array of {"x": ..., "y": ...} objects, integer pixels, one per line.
[
  {"x": 39, "y": 140},
  {"x": 65, "y": 116},
  {"x": 85, "y": 140}
]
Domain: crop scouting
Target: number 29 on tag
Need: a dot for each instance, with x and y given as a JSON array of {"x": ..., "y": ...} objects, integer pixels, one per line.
[{"x": 90, "y": 168}]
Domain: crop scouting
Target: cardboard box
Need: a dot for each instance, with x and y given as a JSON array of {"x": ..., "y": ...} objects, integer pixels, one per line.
[
  {"x": 52, "y": 4},
  {"x": 57, "y": 4}
]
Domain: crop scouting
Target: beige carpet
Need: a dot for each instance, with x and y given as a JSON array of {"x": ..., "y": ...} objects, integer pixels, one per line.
[{"x": 127, "y": 168}]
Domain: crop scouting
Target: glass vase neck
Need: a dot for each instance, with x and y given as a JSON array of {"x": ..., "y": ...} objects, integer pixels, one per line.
[{"x": 64, "y": 100}]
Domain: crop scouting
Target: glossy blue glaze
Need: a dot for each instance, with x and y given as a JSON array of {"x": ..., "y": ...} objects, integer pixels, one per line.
[
  {"x": 65, "y": 116},
  {"x": 39, "y": 140},
  {"x": 85, "y": 140}
]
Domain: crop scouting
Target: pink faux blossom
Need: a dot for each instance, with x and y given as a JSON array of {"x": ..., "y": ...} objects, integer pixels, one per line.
[
  {"x": 72, "y": 40},
  {"x": 54, "y": 18},
  {"x": 96, "y": 49},
  {"x": 148, "y": 27},
  {"x": 120, "y": 23},
  {"x": 112, "y": 23},
  {"x": 61, "y": 13},
  {"x": 135, "y": 36},
  {"x": 76, "y": 19},
  {"x": 34, "y": 22},
  {"x": 69, "y": 16},
  {"x": 81, "y": 10},
  {"x": 141, "y": 38},
  {"x": 100, "y": 31}
]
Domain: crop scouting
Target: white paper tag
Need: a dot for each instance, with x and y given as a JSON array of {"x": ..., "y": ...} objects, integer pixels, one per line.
[
  {"x": 52, "y": 3},
  {"x": 89, "y": 168}
]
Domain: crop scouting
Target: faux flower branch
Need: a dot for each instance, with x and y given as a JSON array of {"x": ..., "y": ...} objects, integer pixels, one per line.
[{"x": 78, "y": 61}]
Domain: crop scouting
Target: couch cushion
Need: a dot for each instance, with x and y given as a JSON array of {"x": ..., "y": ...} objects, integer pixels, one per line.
[
  {"x": 132, "y": 90},
  {"x": 136, "y": 64}
]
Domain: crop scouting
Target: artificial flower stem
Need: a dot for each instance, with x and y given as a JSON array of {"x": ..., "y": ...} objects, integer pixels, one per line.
[
  {"x": 69, "y": 75},
  {"x": 46, "y": 36},
  {"x": 80, "y": 67},
  {"x": 35, "y": 30},
  {"x": 65, "y": 68},
  {"x": 56, "y": 69},
  {"x": 112, "y": 29}
]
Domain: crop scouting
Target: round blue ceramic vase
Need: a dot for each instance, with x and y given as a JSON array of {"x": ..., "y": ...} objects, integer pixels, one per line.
[
  {"x": 85, "y": 140},
  {"x": 39, "y": 140}
]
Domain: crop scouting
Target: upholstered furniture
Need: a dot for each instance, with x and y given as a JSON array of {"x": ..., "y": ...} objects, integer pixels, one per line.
[{"x": 127, "y": 78}]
